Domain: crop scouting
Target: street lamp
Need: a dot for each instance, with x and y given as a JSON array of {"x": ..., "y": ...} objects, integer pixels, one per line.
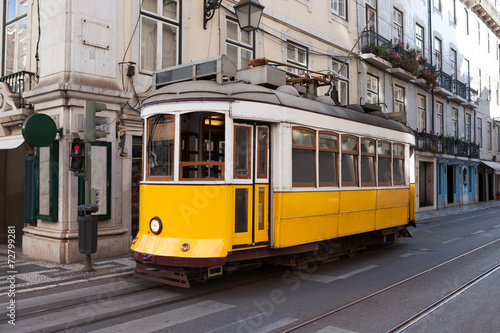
[{"x": 248, "y": 13}]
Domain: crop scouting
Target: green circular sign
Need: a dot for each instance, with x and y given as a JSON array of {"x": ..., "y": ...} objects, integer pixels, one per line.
[{"x": 39, "y": 130}]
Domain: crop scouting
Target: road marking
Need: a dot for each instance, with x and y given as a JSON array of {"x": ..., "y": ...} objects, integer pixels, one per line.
[
  {"x": 252, "y": 324},
  {"x": 478, "y": 232},
  {"x": 91, "y": 293},
  {"x": 328, "y": 279},
  {"x": 497, "y": 226},
  {"x": 87, "y": 313},
  {"x": 332, "y": 329},
  {"x": 169, "y": 318},
  {"x": 406, "y": 255},
  {"x": 452, "y": 240}
]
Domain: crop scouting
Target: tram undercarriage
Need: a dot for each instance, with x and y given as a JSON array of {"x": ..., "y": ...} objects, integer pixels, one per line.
[{"x": 298, "y": 258}]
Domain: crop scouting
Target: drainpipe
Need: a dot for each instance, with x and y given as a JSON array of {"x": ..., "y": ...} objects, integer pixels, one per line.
[{"x": 431, "y": 59}]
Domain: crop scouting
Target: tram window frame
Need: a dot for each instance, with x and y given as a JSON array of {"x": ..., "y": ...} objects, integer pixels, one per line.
[
  {"x": 345, "y": 162},
  {"x": 151, "y": 129},
  {"x": 370, "y": 158},
  {"x": 262, "y": 155},
  {"x": 207, "y": 144},
  {"x": 324, "y": 151},
  {"x": 236, "y": 152},
  {"x": 296, "y": 148},
  {"x": 379, "y": 158},
  {"x": 398, "y": 158}
]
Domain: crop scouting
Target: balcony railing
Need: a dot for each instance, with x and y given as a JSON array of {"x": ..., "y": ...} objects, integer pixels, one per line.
[
  {"x": 432, "y": 143},
  {"x": 19, "y": 83},
  {"x": 445, "y": 81}
]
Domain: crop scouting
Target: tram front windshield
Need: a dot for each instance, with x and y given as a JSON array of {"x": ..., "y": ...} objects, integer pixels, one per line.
[{"x": 202, "y": 144}]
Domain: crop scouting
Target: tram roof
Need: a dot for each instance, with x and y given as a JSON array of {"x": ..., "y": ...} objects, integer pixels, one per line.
[{"x": 206, "y": 90}]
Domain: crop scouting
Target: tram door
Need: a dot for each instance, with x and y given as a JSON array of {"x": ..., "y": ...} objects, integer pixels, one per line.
[{"x": 251, "y": 194}]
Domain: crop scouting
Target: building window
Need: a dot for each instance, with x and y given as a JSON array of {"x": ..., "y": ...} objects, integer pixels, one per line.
[
  {"x": 367, "y": 162},
  {"x": 489, "y": 138},
  {"x": 16, "y": 36},
  {"x": 454, "y": 115},
  {"x": 478, "y": 32},
  {"x": 453, "y": 63},
  {"x": 303, "y": 157},
  {"x": 439, "y": 118},
  {"x": 488, "y": 42},
  {"x": 468, "y": 128},
  {"x": 399, "y": 99},
  {"x": 397, "y": 18},
  {"x": 296, "y": 55},
  {"x": 343, "y": 82},
  {"x": 350, "y": 152},
  {"x": 239, "y": 44},
  {"x": 438, "y": 53},
  {"x": 466, "y": 21},
  {"x": 159, "y": 34},
  {"x": 497, "y": 93},
  {"x": 453, "y": 11},
  {"x": 437, "y": 4},
  {"x": 372, "y": 84},
  {"x": 480, "y": 132},
  {"x": 422, "y": 114},
  {"x": 371, "y": 15},
  {"x": 328, "y": 159},
  {"x": 339, "y": 8},
  {"x": 498, "y": 139},
  {"x": 384, "y": 163},
  {"x": 419, "y": 38},
  {"x": 488, "y": 91}
]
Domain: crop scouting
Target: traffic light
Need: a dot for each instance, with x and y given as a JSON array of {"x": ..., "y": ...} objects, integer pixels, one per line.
[
  {"x": 77, "y": 155},
  {"x": 91, "y": 121},
  {"x": 94, "y": 196}
]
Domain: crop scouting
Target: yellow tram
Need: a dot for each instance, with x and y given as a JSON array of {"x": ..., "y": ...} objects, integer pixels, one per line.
[{"x": 241, "y": 168}]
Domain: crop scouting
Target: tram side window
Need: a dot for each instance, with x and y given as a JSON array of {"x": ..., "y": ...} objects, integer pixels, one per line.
[
  {"x": 242, "y": 135},
  {"x": 398, "y": 160},
  {"x": 328, "y": 156},
  {"x": 202, "y": 146},
  {"x": 367, "y": 162},
  {"x": 350, "y": 152},
  {"x": 303, "y": 157},
  {"x": 160, "y": 147},
  {"x": 384, "y": 163}
]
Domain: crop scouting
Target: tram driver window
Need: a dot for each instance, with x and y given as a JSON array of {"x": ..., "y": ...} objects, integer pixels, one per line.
[
  {"x": 303, "y": 157},
  {"x": 202, "y": 146},
  {"x": 160, "y": 147},
  {"x": 350, "y": 152}
]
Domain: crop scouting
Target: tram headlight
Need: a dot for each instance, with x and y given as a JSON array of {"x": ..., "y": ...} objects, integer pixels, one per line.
[{"x": 155, "y": 225}]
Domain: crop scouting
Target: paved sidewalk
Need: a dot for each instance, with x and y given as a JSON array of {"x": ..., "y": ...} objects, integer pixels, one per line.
[{"x": 32, "y": 274}]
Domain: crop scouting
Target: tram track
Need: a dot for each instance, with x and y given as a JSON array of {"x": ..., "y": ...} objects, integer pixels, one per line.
[
  {"x": 408, "y": 322},
  {"x": 70, "y": 327}
]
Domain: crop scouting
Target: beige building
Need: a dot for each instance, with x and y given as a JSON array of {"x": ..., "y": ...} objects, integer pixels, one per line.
[{"x": 58, "y": 54}]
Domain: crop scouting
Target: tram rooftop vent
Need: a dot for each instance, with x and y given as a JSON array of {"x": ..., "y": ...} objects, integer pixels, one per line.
[{"x": 219, "y": 68}]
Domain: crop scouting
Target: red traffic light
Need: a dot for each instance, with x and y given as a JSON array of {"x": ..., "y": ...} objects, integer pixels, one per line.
[{"x": 76, "y": 149}]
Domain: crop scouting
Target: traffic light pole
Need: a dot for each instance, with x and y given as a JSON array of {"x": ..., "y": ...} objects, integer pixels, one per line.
[{"x": 88, "y": 189}]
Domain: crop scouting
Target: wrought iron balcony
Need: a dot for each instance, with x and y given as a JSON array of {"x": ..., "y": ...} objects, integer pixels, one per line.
[
  {"x": 19, "y": 83},
  {"x": 439, "y": 144}
]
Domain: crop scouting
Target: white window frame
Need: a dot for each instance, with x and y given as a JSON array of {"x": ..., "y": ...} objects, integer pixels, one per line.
[
  {"x": 18, "y": 24},
  {"x": 296, "y": 48},
  {"x": 339, "y": 8},
  {"x": 439, "y": 118},
  {"x": 489, "y": 138},
  {"x": 422, "y": 112},
  {"x": 479, "y": 132},
  {"x": 372, "y": 89},
  {"x": 420, "y": 38},
  {"x": 399, "y": 98},
  {"x": 397, "y": 20},
  {"x": 438, "y": 53},
  {"x": 343, "y": 82},
  {"x": 239, "y": 44},
  {"x": 160, "y": 21},
  {"x": 454, "y": 117}
]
